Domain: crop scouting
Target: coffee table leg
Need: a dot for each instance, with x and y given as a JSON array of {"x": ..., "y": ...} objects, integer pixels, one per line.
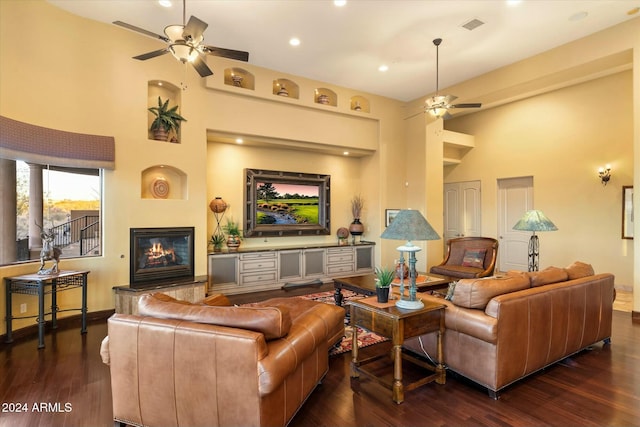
[{"x": 337, "y": 296}]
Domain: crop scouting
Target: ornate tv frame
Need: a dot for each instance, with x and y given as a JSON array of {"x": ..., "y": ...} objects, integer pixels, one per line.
[{"x": 257, "y": 177}]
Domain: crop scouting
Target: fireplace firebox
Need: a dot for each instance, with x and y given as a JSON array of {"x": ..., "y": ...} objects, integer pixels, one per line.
[{"x": 160, "y": 255}]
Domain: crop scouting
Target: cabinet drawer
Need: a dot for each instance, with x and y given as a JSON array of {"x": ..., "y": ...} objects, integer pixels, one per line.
[
  {"x": 339, "y": 269},
  {"x": 340, "y": 258},
  {"x": 258, "y": 255},
  {"x": 257, "y": 265},
  {"x": 265, "y": 277}
]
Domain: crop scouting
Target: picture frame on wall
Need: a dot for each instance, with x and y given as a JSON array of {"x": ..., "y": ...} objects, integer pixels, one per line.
[
  {"x": 627, "y": 212},
  {"x": 390, "y": 214}
]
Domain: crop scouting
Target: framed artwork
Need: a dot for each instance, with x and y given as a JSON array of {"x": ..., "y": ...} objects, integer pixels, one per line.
[
  {"x": 627, "y": 212},
  {"x": 390, "y": 214},
  {"x": 279, "y": 203}
]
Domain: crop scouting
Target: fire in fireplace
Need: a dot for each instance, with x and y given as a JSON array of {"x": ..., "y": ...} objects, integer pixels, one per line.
[{"x": 160, "y": 255}]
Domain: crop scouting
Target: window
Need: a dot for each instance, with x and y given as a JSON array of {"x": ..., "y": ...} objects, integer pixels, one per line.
[{"x": 67, "y": 202}]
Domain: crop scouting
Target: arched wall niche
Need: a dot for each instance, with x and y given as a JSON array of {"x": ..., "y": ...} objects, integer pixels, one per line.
[
  {"x": 239, "y": 77},
  {"x": 163, "y": 182},
  {"x": 286, "y": 88}
]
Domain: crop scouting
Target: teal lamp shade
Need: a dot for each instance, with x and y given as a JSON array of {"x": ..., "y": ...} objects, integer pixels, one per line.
[
  {"x": 534, "y": 220},
  {"x": 409, "y": 225}
]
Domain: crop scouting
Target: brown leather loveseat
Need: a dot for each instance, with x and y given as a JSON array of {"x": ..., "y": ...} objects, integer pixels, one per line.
[
  {"x": 182, "y": 364},
  {"x": 500, "y": 329}
]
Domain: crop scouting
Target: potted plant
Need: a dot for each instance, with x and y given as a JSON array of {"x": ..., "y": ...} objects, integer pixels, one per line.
[
  {"x": 167, "y": 120},
  {"x": 356, "y": 228},
  {"x": 384, "y": 277},
  {"x": 217, "y": 240},
  {"x": 233, "y": 231}
]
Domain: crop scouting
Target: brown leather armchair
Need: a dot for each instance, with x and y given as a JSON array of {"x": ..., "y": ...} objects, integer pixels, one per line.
[{"x": 468, "y": 257}]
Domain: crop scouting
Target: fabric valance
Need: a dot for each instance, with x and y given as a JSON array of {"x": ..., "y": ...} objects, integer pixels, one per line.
[{"x": 37, "y": 144}]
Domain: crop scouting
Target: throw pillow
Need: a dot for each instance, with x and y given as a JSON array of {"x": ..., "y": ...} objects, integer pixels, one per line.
[
  {"x": 579, "y": 269},
  {"x": 474, "y": 258}
]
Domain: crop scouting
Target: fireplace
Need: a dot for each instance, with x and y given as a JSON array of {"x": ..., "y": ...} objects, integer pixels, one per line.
[{"x": 160, "y": 255}]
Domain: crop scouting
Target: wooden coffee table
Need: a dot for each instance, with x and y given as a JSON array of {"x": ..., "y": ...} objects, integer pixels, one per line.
[{"x": 366, "y": 284}]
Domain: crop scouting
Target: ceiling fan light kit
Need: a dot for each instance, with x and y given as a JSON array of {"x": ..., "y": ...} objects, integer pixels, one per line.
[
  {"x": 438, "y": 106},
  {"x": 185, "y": 44}
]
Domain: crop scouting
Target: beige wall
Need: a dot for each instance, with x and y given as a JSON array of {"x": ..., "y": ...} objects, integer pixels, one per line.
[
  {"x": 560, "y": 138},
  {"x": 87, "y": 82}
]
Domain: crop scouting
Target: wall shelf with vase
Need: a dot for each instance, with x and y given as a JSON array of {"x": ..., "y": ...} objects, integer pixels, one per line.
[
  {"x": 239, "y": 77},
  {"x": 286, "y": 88},
  {"x": 326, "y": 96}
]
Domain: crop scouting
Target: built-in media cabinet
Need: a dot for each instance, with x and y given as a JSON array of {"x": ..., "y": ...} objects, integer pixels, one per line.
[{"x": 261, "y": 269}]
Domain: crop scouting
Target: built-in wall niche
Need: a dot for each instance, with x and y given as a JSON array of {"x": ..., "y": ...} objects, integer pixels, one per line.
[
  {"x": 165, "y": 91},
  {"x": 163, "y": 182},
  {"x": 286, "y": 88},
  {"x": 325, "y": 96},
  {"x": 359, "y": 103},
  {"x": 239, "y": 77}
]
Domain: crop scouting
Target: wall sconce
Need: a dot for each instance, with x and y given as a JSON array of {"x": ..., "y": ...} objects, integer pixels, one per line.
[{"x": 605, "y": 174}]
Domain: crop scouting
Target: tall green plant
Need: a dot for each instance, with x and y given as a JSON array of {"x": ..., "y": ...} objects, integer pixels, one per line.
[{"x": 167, "y": 118}]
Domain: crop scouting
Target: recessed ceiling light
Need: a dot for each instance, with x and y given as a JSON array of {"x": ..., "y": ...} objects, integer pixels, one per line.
[
  {"x": 294, "y": 41},
  {"x": 239, "y": 140},
  {"x": 339, "y": 3},
  {"x": 578, "y": 16},
  {"x": 383, "y": 68},
  {"x": 164, "y": 3}
]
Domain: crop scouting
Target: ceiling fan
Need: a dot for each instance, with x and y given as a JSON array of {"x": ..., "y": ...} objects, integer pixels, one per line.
[
  {"x": 184, "y": 42},
  {"x": 439, "y": 105}
]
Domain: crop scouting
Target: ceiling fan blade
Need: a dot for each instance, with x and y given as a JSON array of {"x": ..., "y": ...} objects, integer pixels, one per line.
[
  {"x": 153, "y": 54},
  {"x": 470, "y": 105},
  {"x": 140, "y": 30},
  {"x": 447, "y": 116},
  {"x": 194, "y": 29},
  {"x": 201, "y": 67},
  {"x": 226, "y": 53}
]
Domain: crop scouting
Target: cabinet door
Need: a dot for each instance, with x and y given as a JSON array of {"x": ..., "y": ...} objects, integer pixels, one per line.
[
  {"x": 223, "y": 270},
  {"x": 313, "y": 262},
  {"x": 290, "y": 265},
  {"x": 364, "y": 259}
]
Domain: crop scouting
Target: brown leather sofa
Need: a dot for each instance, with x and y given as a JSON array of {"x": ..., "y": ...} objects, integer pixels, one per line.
[
  {"x": 468, "y": 257},
  {"x": 182, "y": 364},
  {"x": 501, "y": 329}
]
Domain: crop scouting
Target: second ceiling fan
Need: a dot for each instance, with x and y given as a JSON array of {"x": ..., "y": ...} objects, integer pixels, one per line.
[
  {"x": 184, "y": 42},
  {"x": 439, "y": 105}
]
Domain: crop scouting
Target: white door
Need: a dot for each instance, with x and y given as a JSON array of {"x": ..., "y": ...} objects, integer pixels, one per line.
[
  {"x": 515, "y": 197},
  {"x": 461, "y": 209}
]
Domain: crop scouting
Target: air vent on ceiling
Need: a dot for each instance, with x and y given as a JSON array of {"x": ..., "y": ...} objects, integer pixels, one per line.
[{"x": 473, "y": 24}]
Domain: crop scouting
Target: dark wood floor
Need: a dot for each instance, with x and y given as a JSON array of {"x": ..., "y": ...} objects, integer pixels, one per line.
[{"x": 66, "y": 384}]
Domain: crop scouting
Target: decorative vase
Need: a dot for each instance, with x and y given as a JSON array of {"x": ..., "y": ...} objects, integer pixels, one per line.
[
  {"x": 233, "y": 242},
  {"x": 356, "y": 228},
  {"x": 402, "y": 271},
  {"x": 382, "y": 294},
  {"x": 218, "y": 205}
]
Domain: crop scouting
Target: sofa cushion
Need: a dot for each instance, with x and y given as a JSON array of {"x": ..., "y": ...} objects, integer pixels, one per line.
[
  {"x": 579, "y": 269},
  {"x": 474, "y": 258},
  {"x": 456, "y": 271},
  {"x": 548, "y": 275},
  {"x": 476, "y": 293},
  {"x": 273, "y": 322}
]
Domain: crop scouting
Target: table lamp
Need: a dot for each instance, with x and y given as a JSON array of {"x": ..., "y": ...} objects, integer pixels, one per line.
[
  {"x": 534, "y": 220},
  {"x": 409, "y": 225}
]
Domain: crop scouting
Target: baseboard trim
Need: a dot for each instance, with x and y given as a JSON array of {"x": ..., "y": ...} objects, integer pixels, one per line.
[{"x": 74, "y": 321}]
